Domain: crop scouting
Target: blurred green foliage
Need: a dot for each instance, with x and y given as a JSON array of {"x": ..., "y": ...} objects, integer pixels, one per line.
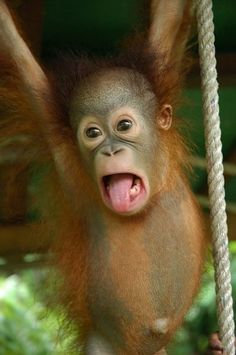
[
  {"x": 28, "y": 328},
  {"x": 200, "y": 322}
]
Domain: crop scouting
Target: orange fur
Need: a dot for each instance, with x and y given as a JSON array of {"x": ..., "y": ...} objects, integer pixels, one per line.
[{"x": 119, "y": 275}]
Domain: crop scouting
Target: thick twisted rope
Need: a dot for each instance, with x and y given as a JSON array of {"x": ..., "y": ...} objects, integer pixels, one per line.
[{"x": 215, "y": 174}]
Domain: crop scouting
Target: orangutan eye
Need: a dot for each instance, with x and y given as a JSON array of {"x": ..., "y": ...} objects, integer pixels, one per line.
[
  {"x": 93, "y": 132},
  {"x": 124, "y": 125}
]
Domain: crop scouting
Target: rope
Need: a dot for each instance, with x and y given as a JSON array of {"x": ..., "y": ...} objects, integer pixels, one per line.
[{"x": 215, "y": 174}]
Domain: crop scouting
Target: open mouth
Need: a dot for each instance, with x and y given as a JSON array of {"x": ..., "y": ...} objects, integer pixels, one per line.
[{"x": 124, "y": 192}]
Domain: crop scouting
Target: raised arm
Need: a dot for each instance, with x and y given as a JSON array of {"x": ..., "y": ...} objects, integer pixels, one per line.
[
  {"x": 37, "y": 90},
  {"x": 169, "y": 28},
  {"x": 15, "y": 49}
]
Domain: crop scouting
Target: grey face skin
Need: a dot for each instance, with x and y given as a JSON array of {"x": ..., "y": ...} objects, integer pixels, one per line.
[
  {"x": 114, "y": 113},
  {"x": 110, "y": 89}
]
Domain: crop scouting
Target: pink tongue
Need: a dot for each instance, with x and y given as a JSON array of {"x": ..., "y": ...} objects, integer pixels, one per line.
[{"x": 119, "y": 191}]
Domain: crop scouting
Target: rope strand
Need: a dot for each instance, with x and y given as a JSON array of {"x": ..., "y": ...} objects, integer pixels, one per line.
[{"x": 224, "y": 300}]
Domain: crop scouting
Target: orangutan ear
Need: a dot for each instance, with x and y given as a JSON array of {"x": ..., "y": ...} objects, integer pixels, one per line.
[{"x": 164, "y": 119}]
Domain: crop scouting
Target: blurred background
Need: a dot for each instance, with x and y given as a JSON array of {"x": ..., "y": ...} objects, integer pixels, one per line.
[{"x": 97, "y": 27}]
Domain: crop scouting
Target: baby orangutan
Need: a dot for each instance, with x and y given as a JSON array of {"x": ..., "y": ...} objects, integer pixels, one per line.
[{"x": 130, "y": 242}]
